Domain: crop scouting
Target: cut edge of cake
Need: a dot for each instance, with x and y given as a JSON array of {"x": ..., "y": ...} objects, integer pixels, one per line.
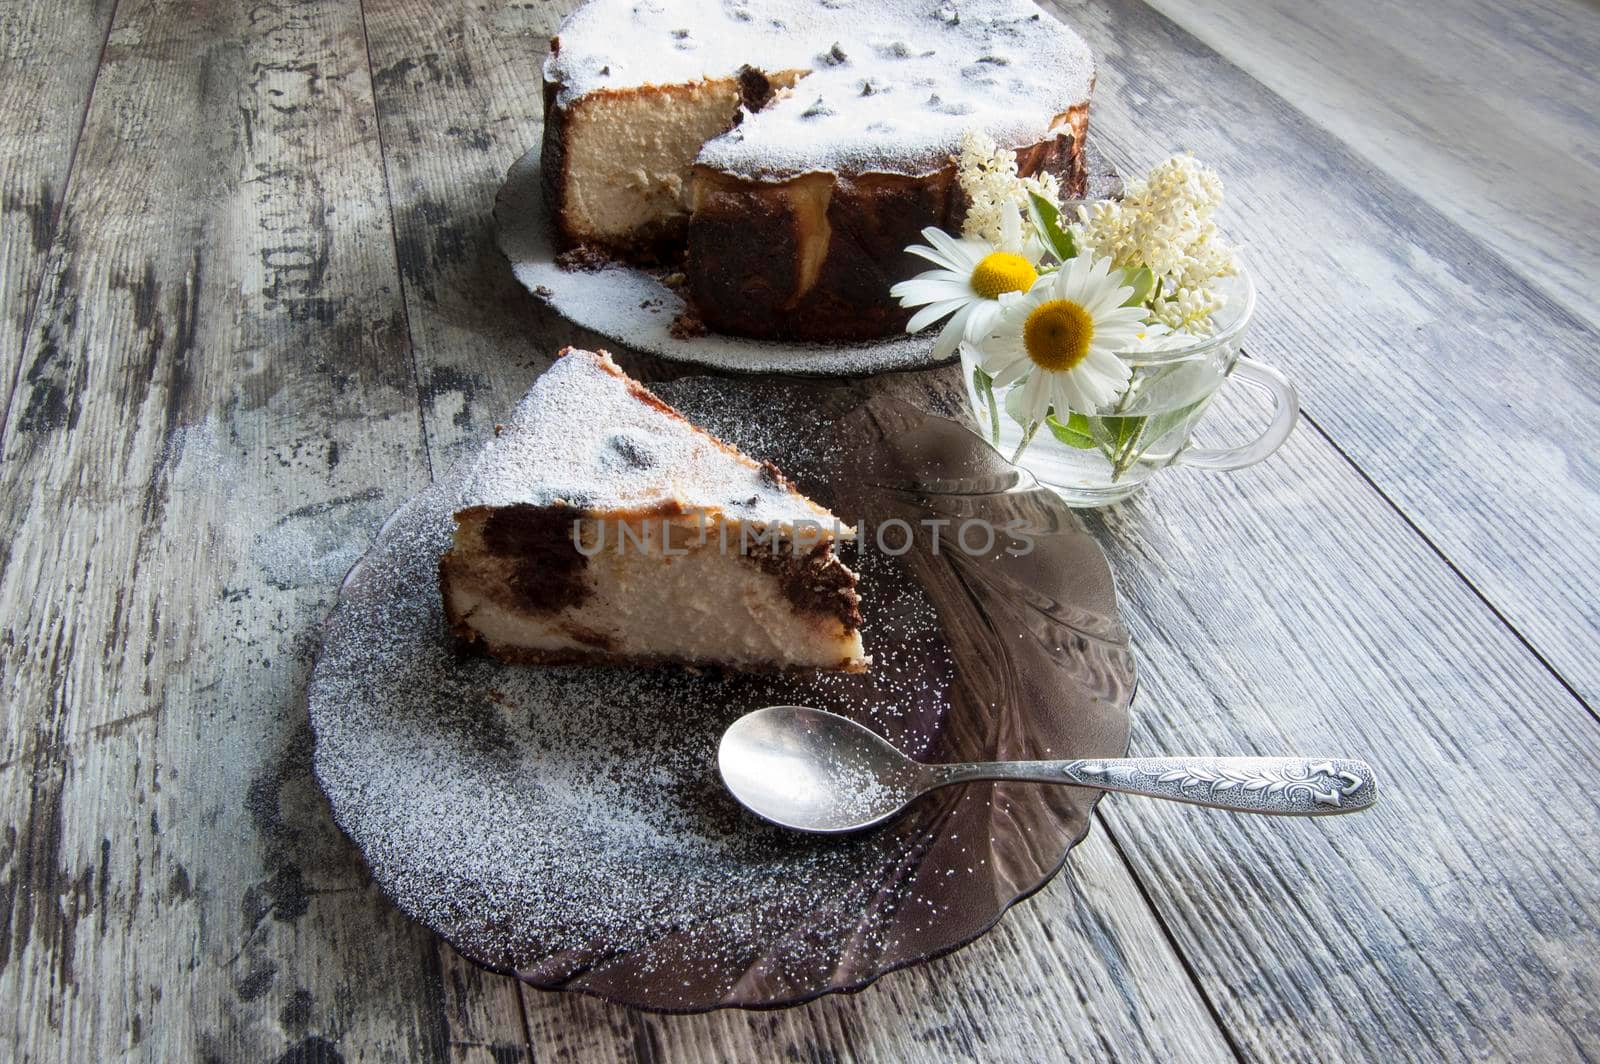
[{"x": 601, "y": 526}]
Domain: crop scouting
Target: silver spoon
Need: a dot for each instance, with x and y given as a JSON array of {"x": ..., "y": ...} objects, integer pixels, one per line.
[{"x": 809, "y": 770}]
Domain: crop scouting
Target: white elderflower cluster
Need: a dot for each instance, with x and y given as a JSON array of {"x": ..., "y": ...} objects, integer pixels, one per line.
[
  {"x": 1189, "y": 310},
  {"x": 1164, "y": 221},
  {"x": 988, "y": 177},
  {"x": 1044, "y": 184}
]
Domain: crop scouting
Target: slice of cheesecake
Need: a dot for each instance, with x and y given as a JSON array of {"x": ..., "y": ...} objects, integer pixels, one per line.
[{"x": 601, "y": 526}]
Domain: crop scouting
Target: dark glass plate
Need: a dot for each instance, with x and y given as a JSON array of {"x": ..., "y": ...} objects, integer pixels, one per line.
[{"x": 568, "y": 825}]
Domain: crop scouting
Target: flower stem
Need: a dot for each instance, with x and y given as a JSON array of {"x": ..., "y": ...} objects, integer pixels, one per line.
[
  {"x": 1129, "y": 454},
  {"x": 1155, "y": 294},
  {"x": 1027, "y": 438}
]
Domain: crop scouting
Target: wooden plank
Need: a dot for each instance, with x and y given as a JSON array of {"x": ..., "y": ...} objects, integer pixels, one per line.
[
  {"x": 459, "y": 101},
  {"x": 50, "y": 56},
  {"x": 1478, "y": 109},
  {"x": 459, "y": 98},
  {"x": 484, "y": 1013},
  {"x": 1286, "y": 609},
  {"x": 1467, "y": 397},
  {"x": 220, "y": 409}
]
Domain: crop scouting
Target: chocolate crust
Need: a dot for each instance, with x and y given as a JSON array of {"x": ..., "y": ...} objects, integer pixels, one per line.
[
  {"x": 553, "y": 155},
  {"x": 755, "y": 89},
  {"x": 815, "y": 582},
  {"x": 749, "y": 242}
]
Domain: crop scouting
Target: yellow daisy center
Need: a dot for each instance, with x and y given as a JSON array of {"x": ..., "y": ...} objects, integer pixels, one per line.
[
  {"x": 1057, "y": 334},
  {"x": 1000, "y": 272}
]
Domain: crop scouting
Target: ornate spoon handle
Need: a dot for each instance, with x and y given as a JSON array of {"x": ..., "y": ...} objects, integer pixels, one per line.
[{"x": 1301, "y": 786}]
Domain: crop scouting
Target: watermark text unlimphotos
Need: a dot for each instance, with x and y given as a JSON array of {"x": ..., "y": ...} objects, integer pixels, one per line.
[{"x": 895, "y": 536}]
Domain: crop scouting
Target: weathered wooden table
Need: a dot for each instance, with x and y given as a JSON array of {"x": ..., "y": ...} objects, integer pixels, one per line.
[{"x": 252, "y": 300}]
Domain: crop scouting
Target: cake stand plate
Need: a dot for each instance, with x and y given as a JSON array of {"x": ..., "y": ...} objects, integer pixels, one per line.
[
  {"x": 631, "y": 305},
  {"x": 567, "y": 825}
]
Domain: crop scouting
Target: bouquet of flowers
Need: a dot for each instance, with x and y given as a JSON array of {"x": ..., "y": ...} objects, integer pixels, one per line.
[{"x": 1054, "y": 309}]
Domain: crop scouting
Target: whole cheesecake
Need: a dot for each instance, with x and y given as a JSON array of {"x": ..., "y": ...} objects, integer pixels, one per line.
[{"x": 785, "y": 152}]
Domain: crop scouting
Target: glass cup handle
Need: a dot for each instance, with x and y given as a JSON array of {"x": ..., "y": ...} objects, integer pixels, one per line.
[{"x": 1285, "y": 412}]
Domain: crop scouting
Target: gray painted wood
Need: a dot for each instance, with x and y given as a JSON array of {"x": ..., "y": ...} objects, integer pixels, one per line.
[
  {"x": 224, "y": 409},
  {"x": 1485, "y": 111},
  {"x": 1286, "y": 609},
  {"x": 49, "y": 67}
]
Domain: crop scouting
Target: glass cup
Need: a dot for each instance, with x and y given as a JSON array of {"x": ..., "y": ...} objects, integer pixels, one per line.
[{"x": 1096, "y": 460}]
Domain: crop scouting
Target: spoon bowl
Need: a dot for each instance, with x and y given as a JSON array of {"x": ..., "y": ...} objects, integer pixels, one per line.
[
  {"x": 813, "y": 771},
  {"x": 810, "y": 770}
]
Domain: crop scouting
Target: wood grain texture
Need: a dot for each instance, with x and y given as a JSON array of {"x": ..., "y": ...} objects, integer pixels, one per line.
[
  {"x": 1486, "y": 112},
  {"x": 223, "y": 411},
  {"x": 1286, "y": 608},
  {"x": 1465, "y": 395},
  {"x": 1083, "y": 967},
  {"x": 459, "y": 96},
  {"x": 49, "y": 63}
]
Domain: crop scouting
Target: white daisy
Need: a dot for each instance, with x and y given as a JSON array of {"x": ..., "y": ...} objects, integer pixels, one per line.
[
  {"x": 972, "y": 276},
  {"x": 1061, "y": 340}
]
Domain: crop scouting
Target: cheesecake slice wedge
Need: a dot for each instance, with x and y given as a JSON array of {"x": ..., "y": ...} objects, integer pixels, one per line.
[{"x": 601, "y": 526}]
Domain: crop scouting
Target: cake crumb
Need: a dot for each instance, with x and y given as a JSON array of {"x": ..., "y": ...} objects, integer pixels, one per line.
[
  {"x": 687, "y": 326},
  {"x": 583, "y": 257}
]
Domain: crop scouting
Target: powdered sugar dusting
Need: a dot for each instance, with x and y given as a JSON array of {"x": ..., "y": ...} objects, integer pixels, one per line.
[
  {"x": 583, "y": 436},
  {"x": 892, "y": 84},
  {"x": 534, "y": 815}
]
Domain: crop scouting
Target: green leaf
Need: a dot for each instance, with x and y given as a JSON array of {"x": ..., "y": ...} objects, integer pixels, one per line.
[
  {"x": 1119, "y": 436},
  {"x": 1074, "y": 432},
  {"x": 1046, "y": 218},
  {"x": 1120, "y": 431},
  {"x": 1142, "y": 281}
]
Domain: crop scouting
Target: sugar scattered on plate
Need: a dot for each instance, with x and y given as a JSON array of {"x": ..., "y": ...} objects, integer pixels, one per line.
[{"x": 526, "y": 813}]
